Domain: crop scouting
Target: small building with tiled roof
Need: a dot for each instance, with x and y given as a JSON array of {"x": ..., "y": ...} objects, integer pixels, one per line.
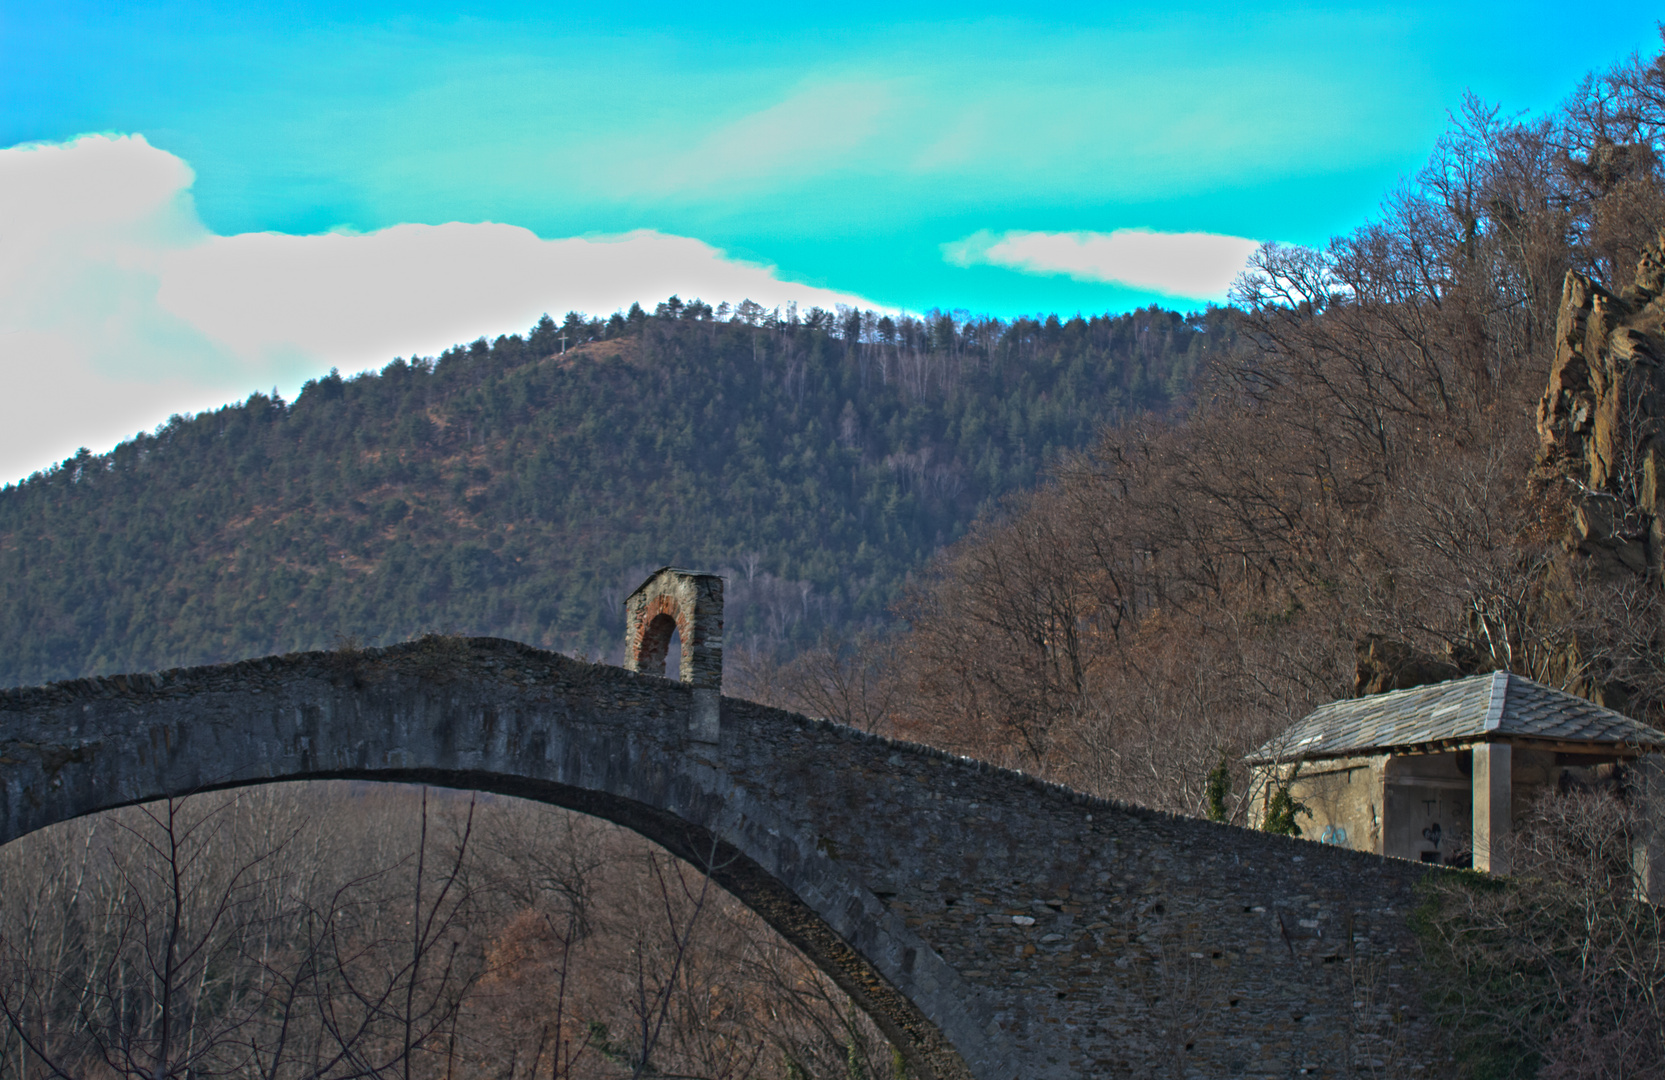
[{"x": 1439, "y": 773}]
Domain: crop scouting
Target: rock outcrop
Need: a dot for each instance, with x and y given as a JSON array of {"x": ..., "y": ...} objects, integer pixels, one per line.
[
  {"x": 1601, "y": 464},
  {"x": 1599, "y": 419},
  {"x": 1385, "y": 664}
]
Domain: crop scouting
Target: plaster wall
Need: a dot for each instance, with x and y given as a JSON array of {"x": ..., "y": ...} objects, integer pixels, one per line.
[
  {"x": 1537, "y": 771},
  {"x": 1345, "y": 797},
  {"x": 1429, "y": 808},
  {"x": 1419, "y": 806}
]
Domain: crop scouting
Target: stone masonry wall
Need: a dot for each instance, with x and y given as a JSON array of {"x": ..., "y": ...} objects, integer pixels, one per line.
[
  {"x": 1118, "y": 941},
  {"x": 996, "y": 926}
]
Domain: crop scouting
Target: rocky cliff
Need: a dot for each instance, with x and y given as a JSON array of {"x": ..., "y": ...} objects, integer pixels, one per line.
[
  {"x": 1599, "y": 420},
  {"x": 1597, "y": 481}
]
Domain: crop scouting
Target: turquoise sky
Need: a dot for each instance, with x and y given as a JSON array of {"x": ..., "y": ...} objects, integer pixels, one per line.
[
  {"x": 202, "y": 199},
  {"x": 845, "y": 145}
]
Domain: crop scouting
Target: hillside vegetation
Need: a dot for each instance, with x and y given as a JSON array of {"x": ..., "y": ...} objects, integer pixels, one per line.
[
  {"x": 522, "y": 487},
  {"x": 1437, "y": 452}
]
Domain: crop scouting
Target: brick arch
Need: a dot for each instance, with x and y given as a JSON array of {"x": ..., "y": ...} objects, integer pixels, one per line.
[
  {"x": 693, "y": 601},
  {"x": 653, "y": 644},
  {"x": 494, "y": 716}
]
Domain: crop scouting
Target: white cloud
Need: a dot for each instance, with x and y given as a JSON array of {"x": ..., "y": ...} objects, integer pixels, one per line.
[
  {"x": 1198, "y": 266},
  {"x": 353, "y": 300},
  {"x": 118, "y": 307}
]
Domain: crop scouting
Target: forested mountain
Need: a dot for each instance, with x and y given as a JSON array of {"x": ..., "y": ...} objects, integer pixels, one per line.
[{"x": 521, "y": 487}]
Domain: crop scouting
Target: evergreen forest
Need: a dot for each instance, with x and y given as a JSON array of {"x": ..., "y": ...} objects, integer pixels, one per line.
[{"x": 522, "y": 487}]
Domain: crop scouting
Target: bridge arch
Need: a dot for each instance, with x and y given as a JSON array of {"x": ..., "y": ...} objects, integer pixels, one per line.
[
  {"x": 994, "y": 926},
  {"x": 492, "y": 716}
]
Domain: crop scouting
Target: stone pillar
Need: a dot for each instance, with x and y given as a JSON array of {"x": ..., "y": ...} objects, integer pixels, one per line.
[
  {"x": 1647, "y": 789},
  {"x": 690, "y": 604},
  {"x": 1493, "y": 809}
]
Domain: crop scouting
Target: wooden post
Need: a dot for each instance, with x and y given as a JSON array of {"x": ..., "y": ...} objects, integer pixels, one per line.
[{"x": 1493, "y": 813}]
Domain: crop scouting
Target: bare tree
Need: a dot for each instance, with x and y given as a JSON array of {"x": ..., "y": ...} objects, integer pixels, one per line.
[{"x": 204, "y": 945}]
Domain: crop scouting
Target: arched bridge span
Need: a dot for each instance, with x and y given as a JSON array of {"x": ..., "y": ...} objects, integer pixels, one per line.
[{"x": 996, "y": 927}]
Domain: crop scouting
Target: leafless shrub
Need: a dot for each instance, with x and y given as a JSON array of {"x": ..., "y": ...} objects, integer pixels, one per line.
[
  {"x": 1561, "y": 968},
  {"x": 337, "y": 932}
]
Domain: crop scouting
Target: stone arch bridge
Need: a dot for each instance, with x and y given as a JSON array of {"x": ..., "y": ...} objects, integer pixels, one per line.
[{"x": 995, "y": 926}]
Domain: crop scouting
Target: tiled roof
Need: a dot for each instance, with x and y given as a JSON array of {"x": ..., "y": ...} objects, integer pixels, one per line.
[{"x": 1498, "y": 705}]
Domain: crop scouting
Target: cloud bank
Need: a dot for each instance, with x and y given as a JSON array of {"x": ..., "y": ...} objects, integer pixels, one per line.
[
  {"x": 119, "y": 307},
  {"x": 1191, "y": 265}
]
